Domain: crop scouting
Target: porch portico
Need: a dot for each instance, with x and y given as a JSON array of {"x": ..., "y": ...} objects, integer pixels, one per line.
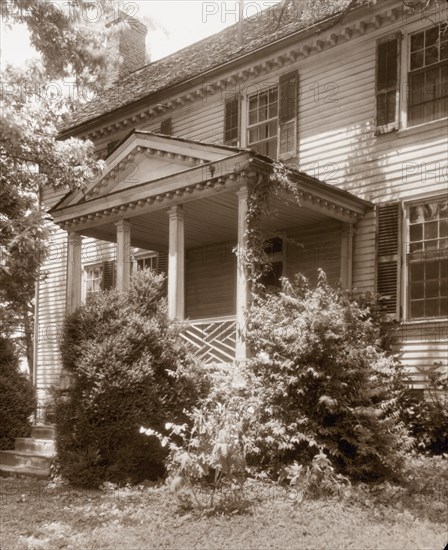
[{"x": 189, "y": 200}]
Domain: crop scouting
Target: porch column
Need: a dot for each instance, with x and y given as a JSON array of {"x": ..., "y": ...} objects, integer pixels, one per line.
[
  {"x": 176, "y": 264},
  {"x": 74, "y": 271},
  {"x": 123, "y": 254},
  {"x": 242, "y": 287},
  {"x": 347, "y": 234}
]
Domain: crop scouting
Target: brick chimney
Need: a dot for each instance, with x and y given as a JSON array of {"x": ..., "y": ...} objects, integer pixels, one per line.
[{"x": 128, "y": 41}]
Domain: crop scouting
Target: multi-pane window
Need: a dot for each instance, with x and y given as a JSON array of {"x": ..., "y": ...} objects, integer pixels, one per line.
[
  {"x": 428, "y": 75},
  {"x": 93, "y": 279},
  {"x": 428, "y": 259},
  {"x": 149, "y": 262},
  {"x": 263, "y": 122}
]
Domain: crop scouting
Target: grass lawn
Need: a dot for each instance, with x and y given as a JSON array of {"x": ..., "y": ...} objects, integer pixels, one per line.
[{"x": 35, "y": 516}]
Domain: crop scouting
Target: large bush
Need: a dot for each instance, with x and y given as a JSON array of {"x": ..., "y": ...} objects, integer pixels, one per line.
[
  {"x": 131, "y": 369},
  {"x": 426, "y": 412},
  {"x": 17, "y": 402},
  {"x": 323, "y": 383}
]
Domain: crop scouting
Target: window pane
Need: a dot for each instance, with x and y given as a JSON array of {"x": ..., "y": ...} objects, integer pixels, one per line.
[
  {"x": 432, "y": 289},
  {"x": 417, "y": 291},
  {"x": 431, "y": 210},
  {"x": 431, "y": 230},
  {"x": 416, "y": 232},
  {"x": 417, "y": 272},
  {"x": 432, "y": 36},
  {"x": 444, "y": 51},
  {"x": 432, "y": 270},
  {"x": 417, "y": 41},
  {"x": 416, "y": 60},
  {"x": 432, "y": 308},
  {"x": 417, "y": 309}
]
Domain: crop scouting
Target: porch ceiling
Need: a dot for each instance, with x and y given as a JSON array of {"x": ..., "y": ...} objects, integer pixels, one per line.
[{"x": 209, "y": 220}]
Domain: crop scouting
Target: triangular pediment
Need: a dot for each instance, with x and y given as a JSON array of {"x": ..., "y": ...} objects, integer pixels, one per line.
[{"x": 144, "y": 157}]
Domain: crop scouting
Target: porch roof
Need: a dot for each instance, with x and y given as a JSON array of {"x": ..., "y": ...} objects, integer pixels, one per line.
[{"x": 149, "y": 172}]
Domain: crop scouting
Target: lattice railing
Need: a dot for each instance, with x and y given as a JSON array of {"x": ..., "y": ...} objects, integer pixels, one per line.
[{"x": 213, "y": 340}]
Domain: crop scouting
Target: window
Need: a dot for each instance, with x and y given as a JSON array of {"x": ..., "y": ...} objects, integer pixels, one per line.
[
  {"x": 148, "y": 262},
  {"x": 272, "y": 118},
  {"x": 231, "y": 121},
  {"x": 263, "y": 122},
  {"x": 98, "y": 277},
  {"x": 428, "y": 75},
  {"x": 427, "y": 259},
  {"x": 93, "y": 279}
]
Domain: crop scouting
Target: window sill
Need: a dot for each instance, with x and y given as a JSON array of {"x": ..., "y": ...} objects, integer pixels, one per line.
[
  {"x": 425, "y": 321},
  {"x": 442, "y": 122}
]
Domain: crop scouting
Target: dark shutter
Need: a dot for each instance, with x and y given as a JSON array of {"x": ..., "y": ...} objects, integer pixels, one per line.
[
  {"x": 288, "y": 98},
  {"x": 389, "y": 258},
  {"x": 387, "y": 83},
  {"x": 289, "y": 84},
  {"x": 108, "y": 275},
  {"x": 165, "y": 127},
  {"x": 232, "y": 121}
]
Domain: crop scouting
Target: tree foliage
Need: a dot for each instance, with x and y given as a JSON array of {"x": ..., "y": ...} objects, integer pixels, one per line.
[
  {"x": 17, "y": 397},
  {"x": 33, "y": 104}
]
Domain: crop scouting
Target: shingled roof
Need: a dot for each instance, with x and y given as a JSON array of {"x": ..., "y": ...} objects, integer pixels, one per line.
[{"x": 258, "y": 31}]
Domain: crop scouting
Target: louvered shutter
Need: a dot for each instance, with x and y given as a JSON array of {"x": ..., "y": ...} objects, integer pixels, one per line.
[
  {"x": 232, "y": 121},
  {"x": 389, "y": 220},
  {"x": 387, "y": 84},
  {"x": 108, "y": 275},
  {"x": 288, "y": 98},
  {"x": 166, "y": 127}
]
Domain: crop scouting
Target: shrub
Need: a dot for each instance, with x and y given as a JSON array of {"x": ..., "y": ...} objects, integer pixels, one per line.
[
  {"x": 426, "y": 413},
  {"x": 131, "y": 368},
  {"x": 207, "y": 456},
  {"x": 323, "y": 383},
  {"x": 17, "y": 401}
]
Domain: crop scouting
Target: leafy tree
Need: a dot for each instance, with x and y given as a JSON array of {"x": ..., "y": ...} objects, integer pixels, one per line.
[
  {"x": 18, "y": 401},
  {"x": 32, "y": 107}
]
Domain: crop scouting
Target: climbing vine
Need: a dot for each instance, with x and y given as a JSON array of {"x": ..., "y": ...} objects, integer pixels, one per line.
[{"x": 262, "y": 190}]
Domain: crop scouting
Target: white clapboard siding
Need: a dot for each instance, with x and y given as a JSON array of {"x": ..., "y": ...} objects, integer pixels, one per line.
[{"x": 52, "y": 297}]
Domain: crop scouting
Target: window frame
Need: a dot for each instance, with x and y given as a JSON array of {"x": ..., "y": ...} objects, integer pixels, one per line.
[
  {"x": 422, "y": 70},
  {"x": 404, "y": 75},
  {"x": 145, "y": 255},
  {"x": 265, "y": 89},
  {"x": 405, "y": 295},
  {"x": 85, "y": 280}
]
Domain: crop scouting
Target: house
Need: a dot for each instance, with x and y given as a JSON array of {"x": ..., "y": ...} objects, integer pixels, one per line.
[{"x": 356, "y": 106}]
